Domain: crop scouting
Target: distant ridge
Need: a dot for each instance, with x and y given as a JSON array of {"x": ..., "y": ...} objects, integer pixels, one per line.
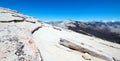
[{"x": 107, "y": 30}]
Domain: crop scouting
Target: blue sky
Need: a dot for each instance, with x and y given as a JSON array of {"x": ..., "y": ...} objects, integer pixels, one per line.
[{"x": 48, "y": 10}]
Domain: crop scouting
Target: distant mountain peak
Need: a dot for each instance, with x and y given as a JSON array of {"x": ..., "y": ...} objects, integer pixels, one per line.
[{"x": 106, "y": 21}]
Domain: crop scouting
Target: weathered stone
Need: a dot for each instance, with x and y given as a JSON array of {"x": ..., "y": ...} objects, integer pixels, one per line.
[
  {"x": 16, "y": 41},
  {"x": 86, "y": 56}
]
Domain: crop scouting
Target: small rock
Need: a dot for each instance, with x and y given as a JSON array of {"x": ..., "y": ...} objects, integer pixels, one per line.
[
  {"x": 115, "y": 59},
  {"x": 56, "y": 28},
  {"x": 86, "y": 56}
]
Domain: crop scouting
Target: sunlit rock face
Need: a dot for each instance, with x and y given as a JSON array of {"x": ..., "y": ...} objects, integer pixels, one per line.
[
  {"x": 24, "y": 38},
  {"x": 16, "y": 41}
]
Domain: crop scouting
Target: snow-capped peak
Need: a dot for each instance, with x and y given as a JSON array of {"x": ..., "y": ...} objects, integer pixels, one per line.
[{"x": 106, "y": 21}]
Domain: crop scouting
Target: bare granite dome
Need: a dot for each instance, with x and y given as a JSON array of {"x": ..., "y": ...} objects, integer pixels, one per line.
[{"x": 24, "y": 38}]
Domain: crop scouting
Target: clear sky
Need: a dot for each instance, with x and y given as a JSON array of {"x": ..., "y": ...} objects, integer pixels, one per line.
[{"x": 48, "y": 10}]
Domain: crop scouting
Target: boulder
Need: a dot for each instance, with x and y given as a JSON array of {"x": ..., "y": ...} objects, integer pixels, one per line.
[{"x": 86, "y": 56}]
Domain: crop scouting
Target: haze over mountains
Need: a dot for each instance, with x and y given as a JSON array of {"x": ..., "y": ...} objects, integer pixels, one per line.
[
  {"x": 25, "y": 38},
  {"x": 107, "y": 30}
]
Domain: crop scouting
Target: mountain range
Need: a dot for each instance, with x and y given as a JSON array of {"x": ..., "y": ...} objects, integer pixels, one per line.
[{"x": 107, "y": 30}]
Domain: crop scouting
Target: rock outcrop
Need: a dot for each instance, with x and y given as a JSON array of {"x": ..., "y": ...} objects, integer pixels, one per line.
[
  {"x": 24, "y": 38},
  {"x": 16, "y": 41}
]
